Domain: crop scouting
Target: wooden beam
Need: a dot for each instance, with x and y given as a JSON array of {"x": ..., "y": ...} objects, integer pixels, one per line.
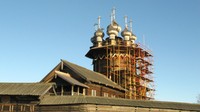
[
  {"x": 62, "y": 90},
  {"x": 83, "y": 91},
  {"x": 54, "y": 90},
  {"x": 72, "y": 90},
  {"x": 78, "y": 90}
]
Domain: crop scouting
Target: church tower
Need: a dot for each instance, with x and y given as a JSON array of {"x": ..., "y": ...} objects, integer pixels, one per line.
[{"x": 123, "y": 61}]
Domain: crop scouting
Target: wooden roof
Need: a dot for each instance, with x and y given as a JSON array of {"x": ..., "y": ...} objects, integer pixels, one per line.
[
  {"x": 69, "y": 79},
  {"x": 86, "y": 74},
  {"x": 67, "y": 100},
  {"x": 90, "y": 75},
  {"x": 35, "y": 89}
]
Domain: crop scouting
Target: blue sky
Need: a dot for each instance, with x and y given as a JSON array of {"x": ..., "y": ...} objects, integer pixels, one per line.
[{"x": 35, "y": 35}]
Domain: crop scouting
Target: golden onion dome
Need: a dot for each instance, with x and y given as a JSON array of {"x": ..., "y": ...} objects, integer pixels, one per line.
[
  {"x": 133, "y": 37},
  {"x": 113, "y": 28},
  {"x": 126, "y": 32}
]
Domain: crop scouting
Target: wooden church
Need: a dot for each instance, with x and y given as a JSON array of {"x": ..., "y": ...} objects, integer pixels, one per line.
[{"x": 121, "y": 81}]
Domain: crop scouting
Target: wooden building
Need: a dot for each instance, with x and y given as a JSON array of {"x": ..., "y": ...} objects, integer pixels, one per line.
[
  {"x": 72, "y": 79},
  {"x": 121, "y": 81},
  {"x": 69, "y": 87},
  {"x": 122, "y": 60}
]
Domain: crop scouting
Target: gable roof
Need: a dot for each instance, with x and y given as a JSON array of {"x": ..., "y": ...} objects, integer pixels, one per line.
[
  {"x": 66, "y": 100},
  {"x": 90, "y": 75},
  {"x": 34, "y": 89},
  {"x": 69, "y": 79}
]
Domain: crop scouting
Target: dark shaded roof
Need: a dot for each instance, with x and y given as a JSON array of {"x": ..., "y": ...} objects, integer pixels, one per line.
[
  {"x": 35, "y": 89},
  {"x": 66, "y": 100},
  {"x": 69, "y": 79},
  {"x": 91, "y": 75}
]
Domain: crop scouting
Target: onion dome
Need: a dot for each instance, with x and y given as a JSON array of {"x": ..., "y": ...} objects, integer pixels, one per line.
[
  {"x": 126, "y": 34},
  {"x": 113, "y": 29},
  {"x": 99, "y": 33},
  {"x": 98, "y": 37},
  {"x": 133, "y": 38}
]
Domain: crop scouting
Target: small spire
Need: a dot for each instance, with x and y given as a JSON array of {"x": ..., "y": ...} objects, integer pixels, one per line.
[
  {"x": 131, "y": 25},
  {"x": 125, "y": 20},
  {"x": 113, "y": 14},
  {"x": 99, "y": 19}
]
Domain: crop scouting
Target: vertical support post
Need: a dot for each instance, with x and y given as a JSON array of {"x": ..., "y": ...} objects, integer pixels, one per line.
[
  {"x": 21, "y": 109},
  {"x": 78, "y": 90},
  {"x": 125, "y": 82},
  {"x": 107, "y": 61},
  {"x": 10, "y": 108},
  {"x": 83, "y": 91},
  {"x": 24, "y": 109},
  {"x": 134, "y": 74},
  {"x": 62, "y": 91},
  {"x": 119, "y": 68},
  {"x": 2, "y": 106},
  {"x": 33, "y": 108},
  {"x": 130, "y": 79},
  {"x": 72, "y": 90}
]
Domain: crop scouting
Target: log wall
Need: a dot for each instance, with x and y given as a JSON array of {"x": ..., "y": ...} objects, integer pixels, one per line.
[
  {"x": 80, "y": 108},
  {"x": 103, "y": 108},
  {"x": 100, "y": 90}
]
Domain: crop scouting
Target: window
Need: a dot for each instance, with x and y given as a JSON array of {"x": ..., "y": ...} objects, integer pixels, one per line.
[
  {"x": 105, "y": 94},
  {"x": 93, "y": 92}
]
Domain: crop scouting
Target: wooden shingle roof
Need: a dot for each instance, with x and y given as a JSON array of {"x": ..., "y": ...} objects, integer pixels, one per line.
[
  {"x": 91, "y": 75},
  {"x": 67, "y": 100},
  {"x": 35, "y": 89}
]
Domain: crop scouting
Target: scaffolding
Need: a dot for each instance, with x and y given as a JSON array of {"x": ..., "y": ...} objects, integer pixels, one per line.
[{"x": 128, "y": 66}]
